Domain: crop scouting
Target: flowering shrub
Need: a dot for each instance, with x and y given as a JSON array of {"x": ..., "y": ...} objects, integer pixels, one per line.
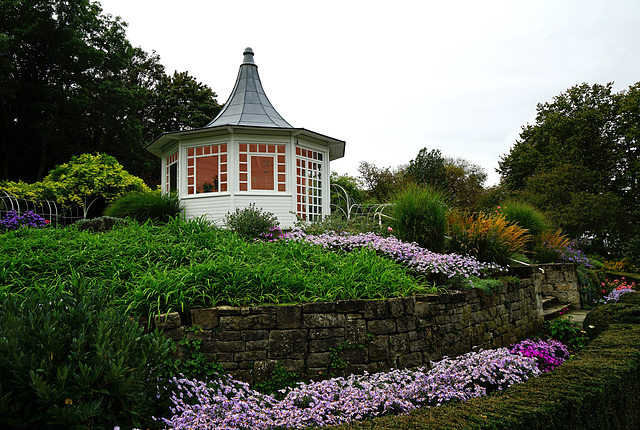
[
  {"x": 554, "y": 246},
  {"x": 13, "y": 221},
  {"x": 412, "y": 255},
  {"x": 549, "y": 354},
  {"x": 617, "y": 284},
  {"x": 271, "y": 235},
  {"x": 612, "y": 290},
  {"x": 614, "y": 295},
  {"x": 230, "y": 404}
]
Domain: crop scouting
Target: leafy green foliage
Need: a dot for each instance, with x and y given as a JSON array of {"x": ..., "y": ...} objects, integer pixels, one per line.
[
  {"x": 251, "y": 222},
  {"x": 579, "y": 163},
  {"x": 72, "y": 83},
  {"x": 420, "y": 215},
  {"x": 145, "y": 205},
  {"x": 87, "y": 177},
  {"x": 280, "y": 379},
  {"x": 428, "y": 168},
  {"x": 180, "y": 102},
  {"x": 567, "y": 332},
  {"x": 465, "y": 182},
  {"x": 380, "y": 183},
  {"x": 195, "y": 364},
  {"x": 188, "y": 264},
  {"x": 68, "y": 361}
]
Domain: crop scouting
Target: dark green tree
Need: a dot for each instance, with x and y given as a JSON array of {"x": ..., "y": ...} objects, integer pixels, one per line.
[
  {"x": 71, "y": 83},
  {"x": 180, "y": 102},
  {"x": 428, "y": 168},
  {"x": 578, "y": 162},
  {"x": 465, "y": 182},
  {"x": 62, "y": 66},
  {"x": 380, "y": 183}
]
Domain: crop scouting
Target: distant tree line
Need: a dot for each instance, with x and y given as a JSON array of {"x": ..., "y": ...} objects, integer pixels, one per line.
[
  {"x": 579, "y": 164},
  {"x": 71, "y": 83}
]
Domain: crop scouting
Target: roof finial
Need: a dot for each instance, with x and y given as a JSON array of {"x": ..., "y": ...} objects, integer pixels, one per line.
[{"x": 248, "y": 56}]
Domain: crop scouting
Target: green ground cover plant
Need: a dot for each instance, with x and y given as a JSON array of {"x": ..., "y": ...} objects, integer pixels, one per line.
[
  {"x": 183, "y": 265},
  {"x": 67, "y": 360}
]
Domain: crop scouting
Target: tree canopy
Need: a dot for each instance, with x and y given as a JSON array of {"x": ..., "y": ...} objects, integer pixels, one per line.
[
  {"x": 71, "y": 83},
  {"x": 579, "y": 162}
]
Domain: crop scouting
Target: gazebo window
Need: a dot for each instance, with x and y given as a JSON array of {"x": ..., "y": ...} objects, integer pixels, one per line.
[
  {"x": 261, "y": 167},
  {"x": 207, "y": 169},
  {"x": 309, "y": 183},
  {"x": 171, "y": 184}
]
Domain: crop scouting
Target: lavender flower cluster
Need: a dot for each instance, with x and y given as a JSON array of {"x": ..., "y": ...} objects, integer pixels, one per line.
[
  {"x": 13, "y": 221},
  {"x": 614, "y": 295},
  {"x": 230, "y": 404},
  {"x": 549, "y": 354},
  {"x": 571, "y": 254},
  {"x": 412, "y": 255}
]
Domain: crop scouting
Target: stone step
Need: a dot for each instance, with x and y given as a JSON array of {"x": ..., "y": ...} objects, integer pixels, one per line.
[
  {"x": 550, "y": 302},
  {"x": 555, "y": 311}
]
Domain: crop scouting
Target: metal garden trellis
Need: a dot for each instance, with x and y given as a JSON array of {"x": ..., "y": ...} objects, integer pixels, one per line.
[
  {"x": 50, "y": 210},
  {"x": 349, "y": 209}
]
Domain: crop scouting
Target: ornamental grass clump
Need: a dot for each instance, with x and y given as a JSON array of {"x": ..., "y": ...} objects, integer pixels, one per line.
[
  {"x": 230, "y": 404},
  {"x": 146, "y": 205},
  {"x": 420, "y": 215},
  {"x": 489, "y": 238}
]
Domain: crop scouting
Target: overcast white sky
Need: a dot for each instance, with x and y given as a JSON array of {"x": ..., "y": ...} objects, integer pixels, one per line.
[{"x": 393, "y": 77}]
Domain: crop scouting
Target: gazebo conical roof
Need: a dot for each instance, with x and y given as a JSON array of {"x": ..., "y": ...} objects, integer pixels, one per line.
[{"x": 248, "y": 104}]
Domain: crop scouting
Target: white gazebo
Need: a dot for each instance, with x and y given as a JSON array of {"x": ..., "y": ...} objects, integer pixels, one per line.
[{"x": 248, "y": 155}]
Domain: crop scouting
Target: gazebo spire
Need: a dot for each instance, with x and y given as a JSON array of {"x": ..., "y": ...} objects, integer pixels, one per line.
[{"x": 248, "y": 104}]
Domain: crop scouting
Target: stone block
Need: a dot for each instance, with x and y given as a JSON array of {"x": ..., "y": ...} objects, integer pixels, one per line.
[
  {"x": 376, "y": 309},
  {"x": 318, "y": 307},
  {"x": 410, "y": 360},
  {"x": 319, "y": 359},
  {"x": 396, "y": 307},
  {"x": 205, "y": 318},
  {"x": 263, "y": 370},
  {"x": 379, "y": 348},
  {"x": 168, "y": 321},
  {"x": 377, "y": 327},
  {"x": 409, "y": 305},
  {"x": 250, "y": 355},
  {"x": 287, "y": 343},
  {"x": 223, "y": 346},
  {"x": 174, "y": 333},
  {"x": 226, "y": 335},
  {"x": 254, "y": 335},
  {"x": 356, "y": 332},
  {"x": 350, "y": 306},
  {"x": 405, "y": 324},
  {"x": 399, "y": 343},
  {"x": 289, "y": 316},
  {"x": 324, "y": 345},
  {"x": 248, "y": 322},
  {"x": 256, "y": 345},
  {"x": 323, "y": 320},
  {"x": 324, "y": 333}
]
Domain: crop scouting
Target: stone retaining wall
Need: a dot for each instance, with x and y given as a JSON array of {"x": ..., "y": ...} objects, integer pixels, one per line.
[{"x": 353, "y": 336}]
